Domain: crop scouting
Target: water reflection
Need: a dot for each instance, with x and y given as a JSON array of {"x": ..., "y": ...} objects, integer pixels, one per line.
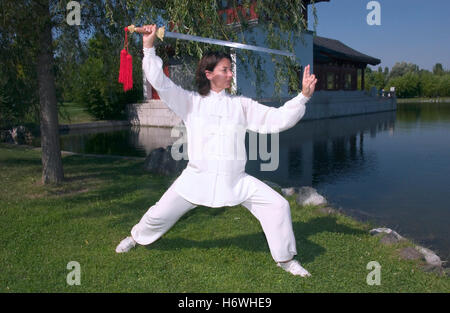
[
  {"x": 320, "y": 151},
  {"x": 123, "y": 140}
]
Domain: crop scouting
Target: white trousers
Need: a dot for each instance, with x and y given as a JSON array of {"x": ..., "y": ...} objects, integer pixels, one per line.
[{"x": 268, "y": 206}]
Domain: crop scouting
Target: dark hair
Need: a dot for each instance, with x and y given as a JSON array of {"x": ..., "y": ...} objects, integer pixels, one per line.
[{"x": 207, "y": 63}]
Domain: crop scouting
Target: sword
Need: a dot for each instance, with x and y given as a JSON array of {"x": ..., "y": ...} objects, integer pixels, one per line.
[{"x": 161, "y": 33}]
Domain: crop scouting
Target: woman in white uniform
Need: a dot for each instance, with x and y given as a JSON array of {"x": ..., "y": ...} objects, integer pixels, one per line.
[{"x": 215, "y": 176}]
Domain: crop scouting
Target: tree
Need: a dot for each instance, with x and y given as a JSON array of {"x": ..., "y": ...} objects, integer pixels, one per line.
[
  {"x": 444, "y": 85},
  {"x": 438, "y": 69},
  {"x": 52, "y": 170},
  {"x": 429, "y": 84},
  {"x": 35, "y": 35},
  {"x": 32, "y": 28},
  {"x": 407, "y": 86},
  {"x": 400, "y": 69},
  {"x": 374, "y": 79},
  {"x": 96, "y": 86},
  {"x": 18, "y": 73}
]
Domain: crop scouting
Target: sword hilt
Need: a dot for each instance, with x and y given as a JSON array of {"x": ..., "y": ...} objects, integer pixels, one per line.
[{"x": 159, "y": 32}]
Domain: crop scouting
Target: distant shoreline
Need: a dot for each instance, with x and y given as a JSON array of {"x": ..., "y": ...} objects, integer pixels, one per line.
[{"x": 424, "y": 100}]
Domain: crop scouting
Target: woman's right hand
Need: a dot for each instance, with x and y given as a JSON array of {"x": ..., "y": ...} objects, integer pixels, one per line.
[{"x": 149, "y": 36}]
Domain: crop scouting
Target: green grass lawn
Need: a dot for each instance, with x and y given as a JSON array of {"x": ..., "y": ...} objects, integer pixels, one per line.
[
  {"x": 73, "y": 113},
  {"x": 208, "y": 250}
]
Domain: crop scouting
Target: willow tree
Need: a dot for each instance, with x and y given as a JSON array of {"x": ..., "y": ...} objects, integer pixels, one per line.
[
  {"x": 283, "y": 20},
  {"x": 39, "y": 30}
]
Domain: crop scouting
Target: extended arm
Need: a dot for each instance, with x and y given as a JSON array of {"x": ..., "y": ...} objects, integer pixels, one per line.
[
  {"x": 265, "y": 119},
  {"x": 176, "y": 98}
]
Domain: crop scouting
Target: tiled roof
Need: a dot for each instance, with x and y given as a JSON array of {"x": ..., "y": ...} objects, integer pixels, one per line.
[{"x": 326, "y": 49}]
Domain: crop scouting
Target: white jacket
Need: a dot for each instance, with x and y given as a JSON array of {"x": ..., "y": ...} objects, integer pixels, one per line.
[{"x": 216, "y": 125}]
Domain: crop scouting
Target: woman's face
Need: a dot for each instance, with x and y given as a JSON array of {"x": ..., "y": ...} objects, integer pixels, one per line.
[{"x": 221, "y": 76}]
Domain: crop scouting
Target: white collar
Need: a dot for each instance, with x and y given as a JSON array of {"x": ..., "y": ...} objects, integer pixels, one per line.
[{"x": 212, "y": 93}]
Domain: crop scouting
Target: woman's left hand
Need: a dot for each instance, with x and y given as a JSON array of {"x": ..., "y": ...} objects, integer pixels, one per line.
[{"x": 309, "y": 82}]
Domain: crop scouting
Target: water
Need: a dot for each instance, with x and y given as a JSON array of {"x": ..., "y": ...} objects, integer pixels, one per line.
[{"x": 390, "y": 168}]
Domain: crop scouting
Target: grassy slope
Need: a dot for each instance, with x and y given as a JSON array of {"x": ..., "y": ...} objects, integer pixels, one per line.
[
  {"x": 208, "y": 250},
  {"x": 72, "y": 113}
]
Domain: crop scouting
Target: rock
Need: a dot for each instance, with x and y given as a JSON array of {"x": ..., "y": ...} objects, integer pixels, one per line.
[
  {"x": 308, "y": 195},
  {"x": 389, "y": 239},
  {"x": 160, "y": 161},
  {"x": 289, "y": 191},
  {"x": 410, "y": 253},
  {"x": 430, "y": 256},
  {"x": 434, "y": 269},
  {"x": 153, "y": 161},
  {"x": 377, "y": 231}
]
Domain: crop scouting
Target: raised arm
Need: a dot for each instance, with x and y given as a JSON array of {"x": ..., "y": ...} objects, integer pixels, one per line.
[
  {"x": 176, "y": 98},
  {"x": 265, "y": 119}
]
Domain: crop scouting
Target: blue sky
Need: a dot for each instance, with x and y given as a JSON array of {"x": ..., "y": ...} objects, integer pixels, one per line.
[{"x": 414, "y": 31}]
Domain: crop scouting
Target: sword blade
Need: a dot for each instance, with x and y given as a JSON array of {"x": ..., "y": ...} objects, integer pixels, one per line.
[{"x": 227, "y": 43}]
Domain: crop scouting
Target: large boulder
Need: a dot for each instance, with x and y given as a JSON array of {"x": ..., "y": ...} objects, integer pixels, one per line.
[
  {"x": 304, "y": 195},
  {"x": 308, "y": 195},
  {"x": 431, "y": 257},
  {"x": 392, "y": 234},
  {"x": 409, "y": 253}
]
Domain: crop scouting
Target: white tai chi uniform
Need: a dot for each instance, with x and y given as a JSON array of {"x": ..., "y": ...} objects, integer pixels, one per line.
[{"x": 215, "y": 174}]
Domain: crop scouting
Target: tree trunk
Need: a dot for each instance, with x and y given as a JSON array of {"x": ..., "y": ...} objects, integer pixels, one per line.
[{"x": 52, "y": 171}]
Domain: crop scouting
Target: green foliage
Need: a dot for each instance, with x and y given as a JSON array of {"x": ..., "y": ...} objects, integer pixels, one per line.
[
  {"x": 400, "y": 69},
  {"x": 438, "y": 69},
  {"x": 410, "y": 81},
  {"x": 444, "y": 85},
  {"x": 282, "y": 20},
  {"x": 96, "y": 86},
  {"x": 429, "y": 84},
  {"x": 18, "y": 83},
  {"x": 407, "y": 86},
  {"x": 376, "y": 79}
]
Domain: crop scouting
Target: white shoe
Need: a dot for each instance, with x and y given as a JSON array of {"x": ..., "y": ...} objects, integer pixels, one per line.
[
  {"x": 126, "y": 245},
  {"x": 294, "y": 268}
]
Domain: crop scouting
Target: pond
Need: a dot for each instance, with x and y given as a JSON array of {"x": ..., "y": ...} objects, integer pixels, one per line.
[{"x": 391, "y": 168}]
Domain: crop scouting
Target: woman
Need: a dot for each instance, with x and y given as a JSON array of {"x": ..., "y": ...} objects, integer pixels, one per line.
[{"x": 215, "y": 175}]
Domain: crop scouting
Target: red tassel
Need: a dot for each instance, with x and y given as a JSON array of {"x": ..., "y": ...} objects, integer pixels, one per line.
[
  {"x": 126, "y": 66},
  {"x": 128, "y": 83},
  {"x": 123, "y": 56}
]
